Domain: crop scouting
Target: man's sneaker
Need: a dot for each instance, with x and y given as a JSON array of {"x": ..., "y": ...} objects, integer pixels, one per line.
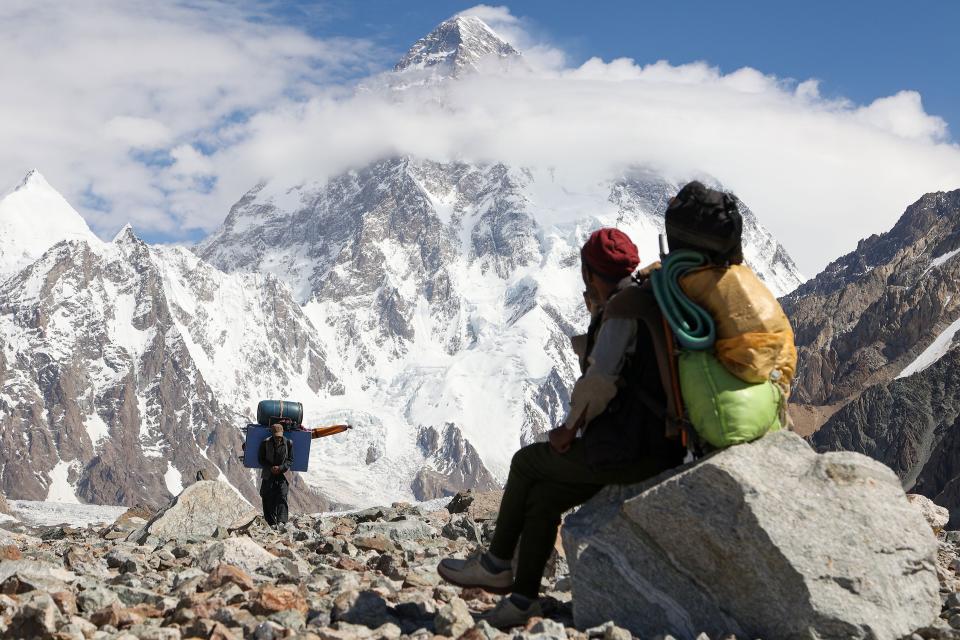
[
  {"x": 471, "y": 573},
  {"x": 507, "y": 614}
]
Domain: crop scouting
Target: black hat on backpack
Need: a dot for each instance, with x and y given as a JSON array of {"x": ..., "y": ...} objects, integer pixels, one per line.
[{"x": 705, "y": 220}]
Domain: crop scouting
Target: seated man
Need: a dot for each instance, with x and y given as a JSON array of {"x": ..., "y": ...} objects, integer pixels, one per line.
[{"x": 623, "y": 441}]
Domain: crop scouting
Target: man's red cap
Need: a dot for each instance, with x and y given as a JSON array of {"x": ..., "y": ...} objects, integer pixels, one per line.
[{"x": 610, "y": 253}]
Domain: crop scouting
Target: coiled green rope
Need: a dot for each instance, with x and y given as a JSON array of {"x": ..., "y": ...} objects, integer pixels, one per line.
[{"x": 692, "y": 326}]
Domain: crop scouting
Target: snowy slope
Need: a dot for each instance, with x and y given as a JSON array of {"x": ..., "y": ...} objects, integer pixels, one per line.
[
  {"x": 940, "y": 346},
  {"x": 458, "y": 45},
  {"x": 50, "y": 513},
  {"x": 445, "y": 294}
]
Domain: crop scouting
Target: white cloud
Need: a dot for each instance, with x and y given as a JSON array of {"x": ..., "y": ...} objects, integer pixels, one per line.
[
  {"x": 822, "y": 173},
  {"x": 137, "y": 132},
  {"x": 903, "y": 115},
  {"x": 89, "y": 87}
]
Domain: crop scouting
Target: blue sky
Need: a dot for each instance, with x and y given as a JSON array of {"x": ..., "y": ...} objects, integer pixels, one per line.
[{"x": 859, "y": 50}]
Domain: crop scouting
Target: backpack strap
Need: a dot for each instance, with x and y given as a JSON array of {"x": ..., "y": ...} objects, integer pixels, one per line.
[{"x": 637, "y": 302}]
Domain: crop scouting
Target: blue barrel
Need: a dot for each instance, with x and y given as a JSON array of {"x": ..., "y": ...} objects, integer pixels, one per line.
[{"x": 270, "y": 411}]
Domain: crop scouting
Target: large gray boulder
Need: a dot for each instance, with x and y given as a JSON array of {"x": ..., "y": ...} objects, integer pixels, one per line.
[
  {"x": 766, "y": 540},
  {"x": 197, "y": 513}
]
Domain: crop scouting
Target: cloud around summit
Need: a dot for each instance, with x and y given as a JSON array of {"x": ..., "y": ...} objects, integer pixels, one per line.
[{"x": 186, "y": 110}]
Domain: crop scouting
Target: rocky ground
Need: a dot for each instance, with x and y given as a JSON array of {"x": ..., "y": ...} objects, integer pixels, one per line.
[{"x": 367, "y": 574}]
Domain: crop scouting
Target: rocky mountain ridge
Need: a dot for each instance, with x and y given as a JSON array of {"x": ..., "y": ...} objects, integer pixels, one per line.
[
  {"x": 885, "y": 303},
  {"x": 113, "y": 374},
  {"x": 875, "y": 334},
  {"x": 456, "y": 46}
]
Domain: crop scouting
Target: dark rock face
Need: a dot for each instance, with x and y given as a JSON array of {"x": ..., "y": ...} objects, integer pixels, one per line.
[
  {"x": 910, "y": 425},
  {"x": 872, "y": 311},
  {"x": 874, "y": 332},
  {"x": 452, "y": 465}
]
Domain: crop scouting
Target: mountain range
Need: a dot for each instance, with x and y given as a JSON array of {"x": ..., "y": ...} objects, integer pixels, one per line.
[{"x": 430, "y": 304}]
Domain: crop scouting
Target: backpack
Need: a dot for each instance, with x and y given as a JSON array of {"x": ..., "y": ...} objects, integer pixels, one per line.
[
  {"x": 707, "y": 406},
  {"x": 754, "y": 340},
  {"x": 724, "y": 347}
]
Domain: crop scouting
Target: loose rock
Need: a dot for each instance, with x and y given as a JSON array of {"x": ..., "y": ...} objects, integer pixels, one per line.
[{"x": 453, "y": 619}]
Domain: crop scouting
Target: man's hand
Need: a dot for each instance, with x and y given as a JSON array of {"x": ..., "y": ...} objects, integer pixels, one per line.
[
  {"x": 275, "y": 470},
  {"x": 561, "y": 438}
]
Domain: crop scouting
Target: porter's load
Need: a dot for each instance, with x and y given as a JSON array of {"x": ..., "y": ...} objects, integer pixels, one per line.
[
  {"x": 290, "y": 415},
  {"x": 285, "y": 411}
]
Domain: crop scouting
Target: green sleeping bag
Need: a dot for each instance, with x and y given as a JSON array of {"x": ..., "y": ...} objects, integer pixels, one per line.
[{"x": 722, "y": 408}]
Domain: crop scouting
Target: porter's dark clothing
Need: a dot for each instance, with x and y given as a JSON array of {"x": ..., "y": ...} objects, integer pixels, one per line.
[
  {"x": 274, "y": 488},
  {"x": 624, "y": 444}
]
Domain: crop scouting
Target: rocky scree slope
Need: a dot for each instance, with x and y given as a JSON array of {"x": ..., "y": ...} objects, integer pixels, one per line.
[
  {"x": 875, "y": 333},
  {"x": 444, "y": 294},
  {"x": 204, "y": 567}
]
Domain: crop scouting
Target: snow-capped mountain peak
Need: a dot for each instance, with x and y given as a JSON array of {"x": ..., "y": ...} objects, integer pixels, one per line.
[
  {"x": 456, "y": 45},
  {"x": 33, "y": 178},
  {"x": 33, "y": 218}
]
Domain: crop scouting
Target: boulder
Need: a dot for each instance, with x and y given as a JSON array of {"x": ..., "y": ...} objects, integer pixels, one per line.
[
  {"x": 197, "y": 512},
  {"x": 453, "y": 619},
  {"x": 270, "y": 599},
  {"x": 398, "y": 530},
  {"x": 240, "y": 552},
  {"x": 22, "y": 576},
  {"x": 767, "y": 539},
  {"x": 935, "y": 515},
  {"x": 228, "y": 574},
  {"x": 481, "y": 506},
  {"x": 37, "y": 617}
]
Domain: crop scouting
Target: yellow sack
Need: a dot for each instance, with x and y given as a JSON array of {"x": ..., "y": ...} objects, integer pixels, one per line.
[{"x": 754, "y": 337}]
